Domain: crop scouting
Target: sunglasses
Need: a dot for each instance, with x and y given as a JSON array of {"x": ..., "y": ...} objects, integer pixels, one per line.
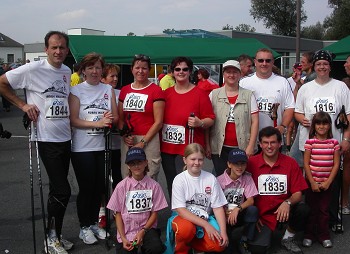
[
  {"x": 142, "y": 57},
  {"x": 183, "y": 69},
  {"x": 264, "y": 60}
]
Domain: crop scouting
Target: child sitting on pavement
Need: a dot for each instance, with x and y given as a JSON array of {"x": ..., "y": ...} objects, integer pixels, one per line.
[
  {"x": 136, "y": 201},
  {"x": 239, "y": 189}
]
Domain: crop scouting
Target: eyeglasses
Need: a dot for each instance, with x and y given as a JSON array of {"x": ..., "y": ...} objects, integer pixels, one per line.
[
  {"x": 264, "y": 60},
  {"x": 183, "y": 69},
  {"x": 142, "y": 57}
]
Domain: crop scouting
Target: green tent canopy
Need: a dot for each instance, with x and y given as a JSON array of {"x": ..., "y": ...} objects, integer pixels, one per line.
[
  {"x": 161, "y": 50},
  {"x": 340, "y": 48}
]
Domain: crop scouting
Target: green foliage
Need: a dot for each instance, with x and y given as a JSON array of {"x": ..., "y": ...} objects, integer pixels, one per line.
[
  {"x": 19, "y": 60},
  {"x": 316, "y": 32},
  {"x": 337, "y": 25},
  {"x": 245, "y": 28},
  {"x": 131, "y": 34},
  {"x": 227, "y": 27},
  {"x": 168, "y": 30},
  {"x": 279, "y": 15}
]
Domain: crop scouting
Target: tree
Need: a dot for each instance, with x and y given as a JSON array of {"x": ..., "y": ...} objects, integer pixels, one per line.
[
  {"x": 316, "y": 32},
  {"x": 168, "y": 30},
  {"x": 227, "y": 27},
  {"x": 337, "y": 25},
  {"x": 245, "y": 28},
  {"x": 279, "y": 15},
  {"x": 131, "y": 34}
]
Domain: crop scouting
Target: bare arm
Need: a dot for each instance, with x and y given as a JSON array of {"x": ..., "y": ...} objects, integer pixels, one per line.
[
  {"x": 121, "y": 230},
  {"x": 5, "y": 90},
  {"x": 314, "y": 185},
  {"x": 287, "y": 117},
  {"x": 302, "y": 119},
  {"x": 254, "y": 128},
  {"x": 336, "y": 162},
  {"x": 158, "y": 115},
  {"x": 282, "y": 212}
]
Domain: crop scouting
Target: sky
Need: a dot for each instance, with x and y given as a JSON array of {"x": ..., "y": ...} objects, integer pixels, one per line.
[{"x": 27, "y": 21}]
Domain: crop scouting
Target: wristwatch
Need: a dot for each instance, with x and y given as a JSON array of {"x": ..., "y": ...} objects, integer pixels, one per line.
[
  {"x": 240, "y": 208},
  {"x": 285, "y": 128},
  {"x": 144, "y": 142},
  {"x": 288, "y": 202}
]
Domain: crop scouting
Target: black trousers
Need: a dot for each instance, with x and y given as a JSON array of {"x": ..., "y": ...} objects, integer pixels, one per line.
[
  {"x": 220, "y": 161},
  {"x": 89, "y": 170},
  {"x": 56, "y": 158},
  {"x": 152, "y": 244},
  {"x": 170, "y": 168},
  {"x": 116, "y": 168}
]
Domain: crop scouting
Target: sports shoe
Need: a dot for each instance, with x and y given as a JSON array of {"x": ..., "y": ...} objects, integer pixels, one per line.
[
  {"x": 102, "y": 221},
  {"x": 54, "y": 246},
  {"x": 100, "y": 233},
  {"x": 67, "y": 245},
  {"x": 327, "y": 244},
  {"x": 307, "y": 242},
  {"x": 87, "y": 235},
  {"x": 243, "y": 248},
  {"x": 337, "y": 228},
  {"x": 291, "y": 245},
  {"x": 345, "y": 210}
]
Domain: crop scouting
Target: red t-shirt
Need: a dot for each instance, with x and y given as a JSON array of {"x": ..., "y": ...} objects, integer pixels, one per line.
[
  {"x": 178, "y": 107},
  {"x": 138, "y": 103},
  {"x": 285, "y": 166},
  {"x": 230, "y": 129},
  {"x": 207, "y": 86}
]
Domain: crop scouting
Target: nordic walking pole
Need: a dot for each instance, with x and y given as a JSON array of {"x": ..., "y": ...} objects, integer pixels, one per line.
[
  {"x": 190, "y": 131},
  {"x": 107, "y": 134},
  {"x": 342, "y": 123},
  {"x": 40, "y": 187},
  {"x": 31, "y": 180}
]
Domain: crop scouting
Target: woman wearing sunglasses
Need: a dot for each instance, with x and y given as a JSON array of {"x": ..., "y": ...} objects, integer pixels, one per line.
[
  {"x": 141, "y": 110},
  {"x": 188, "y": 112},
  {"x": 237, "y": 121}
]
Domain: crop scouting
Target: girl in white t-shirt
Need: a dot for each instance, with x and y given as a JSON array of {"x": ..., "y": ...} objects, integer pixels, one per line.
[{"x": 196, "y": 195}]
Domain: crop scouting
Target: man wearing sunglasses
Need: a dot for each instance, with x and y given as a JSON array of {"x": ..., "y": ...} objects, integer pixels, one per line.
[{"x": 272, "y": 92}]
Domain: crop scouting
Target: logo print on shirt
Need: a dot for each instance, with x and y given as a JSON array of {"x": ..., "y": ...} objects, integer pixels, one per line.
[{"x": 58, "y": 86}]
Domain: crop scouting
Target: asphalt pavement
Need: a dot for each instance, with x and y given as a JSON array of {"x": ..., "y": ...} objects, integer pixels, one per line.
[{"x": 16, "y": 235}]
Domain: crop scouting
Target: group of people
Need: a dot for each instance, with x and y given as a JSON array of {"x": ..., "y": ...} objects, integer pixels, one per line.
[{"x": 241, "y": 126}]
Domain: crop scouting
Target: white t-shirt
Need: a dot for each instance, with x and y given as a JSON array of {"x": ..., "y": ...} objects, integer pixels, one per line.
[
  {"x": 48, "y": 88},
  {"x": 274, "y": 89},
  {"x": 197, "y": 194},
  {"x": 330, "y": 97},
  {"x": 94, "y": 101}
]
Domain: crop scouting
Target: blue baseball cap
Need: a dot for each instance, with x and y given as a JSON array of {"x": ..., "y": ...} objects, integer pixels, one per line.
[
  {"x": 135, "y": 154},
  {"x": 237, "y": 155}
]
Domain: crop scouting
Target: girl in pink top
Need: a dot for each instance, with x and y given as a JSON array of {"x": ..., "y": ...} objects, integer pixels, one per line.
[
  {"x": 136, "y": 201},
  {"x": 321, "y": 163}
]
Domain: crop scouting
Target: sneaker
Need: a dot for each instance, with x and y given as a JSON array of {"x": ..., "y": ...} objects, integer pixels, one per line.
[
  {"x": 67, "y": 245},
  {"x": 307, "y": 242},
  {"x": 100, "y": 233},
  {"x": 243, "y": 248},
  {"x": 345, "y": 210},
  {"x": 291, "y": 245},
  {"x": 54, "y": 246},
  {"x": 327, "y": 244},
  {"x": 337, "y": 228},
  {"x": 87, "y": 235},
  {"x": 102, "y": 221}
]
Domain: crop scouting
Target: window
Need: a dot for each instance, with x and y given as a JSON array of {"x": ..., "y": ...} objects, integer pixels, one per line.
[{"x": 10, "y": 58}]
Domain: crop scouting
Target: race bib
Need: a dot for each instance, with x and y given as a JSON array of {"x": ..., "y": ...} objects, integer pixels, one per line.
[
  {"x": 196, "y": 210},
  {"x": 274, "y": 184},
  {"x": 56, "y": 107},
  {"x": 94, "y": 118},
  {"x": 231, "y": 114},
  {"x": 234, "y": 195},
  {"x": 135, "y": 102},
  {"x": 325, "y": 104},
  {"x": 265, "y": 104},
  {"x": 139, "y": 201},
  {"x": 174, "y": 134}
]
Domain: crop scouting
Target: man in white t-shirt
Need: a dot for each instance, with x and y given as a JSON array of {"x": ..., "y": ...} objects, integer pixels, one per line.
[
  {"x": 47, "y": 83},
  {"x": 271, "y": 91}
]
